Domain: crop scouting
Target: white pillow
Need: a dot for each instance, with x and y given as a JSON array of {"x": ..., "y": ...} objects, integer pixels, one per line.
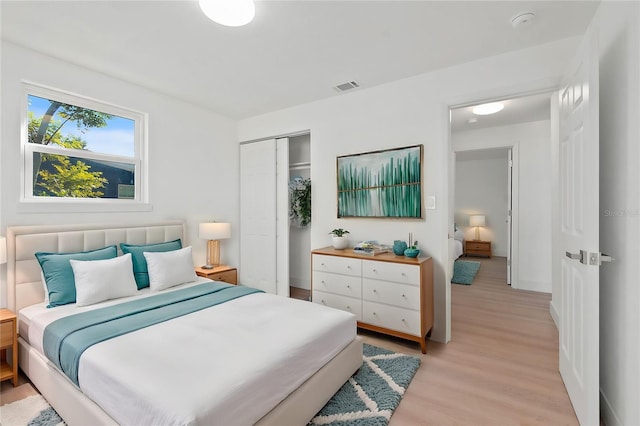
[
  {"x": 169, "y": 268},
  {"x": 100, "y": 280}
]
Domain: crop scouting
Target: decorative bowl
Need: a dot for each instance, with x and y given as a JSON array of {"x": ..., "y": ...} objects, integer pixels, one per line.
[
  {"x": 411, "y": 252},
  {"x": 399, "y": 247}
]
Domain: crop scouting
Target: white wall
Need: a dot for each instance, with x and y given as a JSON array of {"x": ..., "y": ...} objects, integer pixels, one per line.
[
  {"x": 192, "y": 152},
  {"x": 533, "y": 225},
  {"x": 407, "y": 112},
  {"x": 618, "y": 24},
  {"x": 482, "y": 188}
]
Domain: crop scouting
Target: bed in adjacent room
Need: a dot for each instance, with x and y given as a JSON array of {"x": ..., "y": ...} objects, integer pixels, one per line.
[{"x": 209, "y": 352}]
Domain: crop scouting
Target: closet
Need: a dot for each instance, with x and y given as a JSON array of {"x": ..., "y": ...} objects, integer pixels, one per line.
[{"x": 274, "y": 251}]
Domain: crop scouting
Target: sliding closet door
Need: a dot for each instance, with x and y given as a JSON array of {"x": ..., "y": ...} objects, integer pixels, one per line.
[
  {"x": 258, "y": 215},
  {"x": 282, "y": 217}
]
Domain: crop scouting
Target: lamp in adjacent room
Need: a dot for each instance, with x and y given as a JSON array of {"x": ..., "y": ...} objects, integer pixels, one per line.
[
  {"x": 214, "y": 232},
  {"x": 231, "y": 13},
  {"x": 3, "y": 250},
  {"x": 477, "y": 221}
]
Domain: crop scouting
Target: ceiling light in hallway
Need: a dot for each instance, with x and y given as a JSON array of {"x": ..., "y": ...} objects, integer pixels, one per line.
[{"x": 486, "y": 109}]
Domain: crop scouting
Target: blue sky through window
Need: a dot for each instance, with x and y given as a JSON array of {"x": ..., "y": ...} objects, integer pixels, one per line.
[{"x": 117, "y": 138}]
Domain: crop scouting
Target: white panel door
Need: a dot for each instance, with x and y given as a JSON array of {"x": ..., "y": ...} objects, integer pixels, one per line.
[
  {"x": 509, "y": 211},
  {"x": 579, "y": 198},
  {"x": 258, "y": 215}
]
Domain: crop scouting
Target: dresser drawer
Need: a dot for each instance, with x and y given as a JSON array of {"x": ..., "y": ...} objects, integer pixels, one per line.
[
  {"x": 401, "y": 295},
  {"x": 337, "y": 265},
  {"x": 346, "y": 285},
  {"x": 397, "y": 272},
  {"x": 398, "y": 319},
  {"x": 344, "y": 303},
  {"x": 478, "y": 246}
]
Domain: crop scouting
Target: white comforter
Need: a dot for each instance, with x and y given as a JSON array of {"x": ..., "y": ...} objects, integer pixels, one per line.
[{"x": 229, "y": 364}]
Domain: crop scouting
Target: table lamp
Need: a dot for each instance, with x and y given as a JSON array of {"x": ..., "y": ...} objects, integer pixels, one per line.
[
  {"x": 214, "y": 232},
  {"x": 477, "y": 221}
]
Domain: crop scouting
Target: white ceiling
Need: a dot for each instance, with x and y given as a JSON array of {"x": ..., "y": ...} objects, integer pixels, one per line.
[{"x": 294, "y": 51}]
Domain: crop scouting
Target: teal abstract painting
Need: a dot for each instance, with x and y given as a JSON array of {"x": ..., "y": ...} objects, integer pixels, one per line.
[{"x": 384, "y": 183}]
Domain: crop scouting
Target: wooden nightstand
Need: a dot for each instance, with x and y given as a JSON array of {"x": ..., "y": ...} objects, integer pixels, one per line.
[
  {"x": 477, "y": 248},
  {"x": 8, "y": 339},
  {"x": 219, "y": 273}
]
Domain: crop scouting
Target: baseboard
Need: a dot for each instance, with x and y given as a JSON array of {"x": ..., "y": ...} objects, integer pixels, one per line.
[
  {"x": 300, "y": 283},
  {"x": 607, "y": 413},
  {"x": 539, "y": 286},
  {"x": 555, "y": 314}
]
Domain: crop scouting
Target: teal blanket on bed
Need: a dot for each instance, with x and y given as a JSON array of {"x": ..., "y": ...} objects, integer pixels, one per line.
[{"x": 67, "y": 338}]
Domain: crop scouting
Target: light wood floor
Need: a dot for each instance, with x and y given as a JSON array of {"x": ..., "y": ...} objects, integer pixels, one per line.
[{"x": 501, "y": 366}]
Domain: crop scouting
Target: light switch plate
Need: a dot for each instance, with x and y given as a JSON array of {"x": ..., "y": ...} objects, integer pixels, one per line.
[{"x": 431, "y": 202}]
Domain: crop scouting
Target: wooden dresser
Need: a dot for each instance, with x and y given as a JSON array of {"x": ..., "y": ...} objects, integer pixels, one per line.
[{"x": 387, "y": 293}]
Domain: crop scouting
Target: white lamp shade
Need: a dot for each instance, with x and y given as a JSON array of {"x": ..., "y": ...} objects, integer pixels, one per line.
[
  {"x": 215, "y": 231},
  {"x": 3, "y": 250},
  {"x": 477, "y": 220},
  {"x": 231, "y": 13}
]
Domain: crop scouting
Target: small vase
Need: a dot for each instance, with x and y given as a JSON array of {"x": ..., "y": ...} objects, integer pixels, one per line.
[
  {"x": 399, "y": 247},
  {"x": 340, "y": 243},
  {"x": 412, "y": 252}
]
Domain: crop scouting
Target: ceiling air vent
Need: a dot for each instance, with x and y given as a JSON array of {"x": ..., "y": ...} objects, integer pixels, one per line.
[{"x": 347, "y": 86}]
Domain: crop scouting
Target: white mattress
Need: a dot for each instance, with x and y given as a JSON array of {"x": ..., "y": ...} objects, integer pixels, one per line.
[{"x": 229, "y": 364}]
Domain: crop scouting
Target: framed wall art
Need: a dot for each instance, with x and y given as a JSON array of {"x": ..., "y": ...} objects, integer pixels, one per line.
[{"x": 386, "y": 183}]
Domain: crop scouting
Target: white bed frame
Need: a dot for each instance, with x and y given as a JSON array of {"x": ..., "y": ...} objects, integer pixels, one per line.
[{"x": 24, "y": 288}]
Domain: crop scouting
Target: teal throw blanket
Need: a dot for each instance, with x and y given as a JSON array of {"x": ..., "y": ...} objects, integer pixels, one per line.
[{"x": 67, "y": 338}]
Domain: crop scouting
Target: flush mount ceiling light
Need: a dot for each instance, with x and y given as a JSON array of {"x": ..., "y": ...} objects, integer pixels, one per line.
[
  {"x": 472, "y": 120},
  {"x": 231, "y": 13},
  {"x": 486, "y": 109}
]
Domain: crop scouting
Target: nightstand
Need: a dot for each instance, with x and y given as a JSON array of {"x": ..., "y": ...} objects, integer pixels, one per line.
[
  {"x": 477, "y": 248},
  {"x": 8, "y": 339},
  {"x": 219, "y": 273}
]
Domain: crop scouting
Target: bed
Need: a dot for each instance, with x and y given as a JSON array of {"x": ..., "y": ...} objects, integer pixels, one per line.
[{"x": 254, "y": 359}]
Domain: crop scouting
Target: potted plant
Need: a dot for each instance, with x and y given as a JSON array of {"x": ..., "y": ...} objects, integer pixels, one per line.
[
  {"x": 300, "y": 203},
  {"x": 340, "y": 242}
]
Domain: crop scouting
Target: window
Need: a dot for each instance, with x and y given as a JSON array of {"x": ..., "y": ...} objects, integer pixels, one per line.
[{"x": 80, "y": 150}]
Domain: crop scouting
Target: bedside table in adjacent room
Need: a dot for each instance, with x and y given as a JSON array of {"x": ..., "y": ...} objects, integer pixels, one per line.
[
  {"x": 477, "y": 248},
  {"x": 219, "y": 273},
  {"x": 8, "y": 339}
]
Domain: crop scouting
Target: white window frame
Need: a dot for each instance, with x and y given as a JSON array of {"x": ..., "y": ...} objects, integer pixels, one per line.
[{"x": 32, "y": 203}]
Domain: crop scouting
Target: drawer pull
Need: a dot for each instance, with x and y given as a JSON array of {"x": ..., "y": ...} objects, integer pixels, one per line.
[
  {"x": 348, "y": 266},
  {"x": 323, "y": 302},
  {"x": 348, "y": 286},
  {"x": 374, "y": 270},
  {"x": 404, "y": 295},
  {"x": 375, "y": 291},
  {"x": 403, "y": 320},
  {"x": 402, "y": 273},
  {"x": 375, "y": 313},
  {"x": 322, "y": 264},
  {"x": 348, "y": 307}
]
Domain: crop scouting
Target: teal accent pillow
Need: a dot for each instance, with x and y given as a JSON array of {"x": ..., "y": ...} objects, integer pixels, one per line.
[
  {"x": 58, "y": 274},
  {"x": 140, "y": 271}
]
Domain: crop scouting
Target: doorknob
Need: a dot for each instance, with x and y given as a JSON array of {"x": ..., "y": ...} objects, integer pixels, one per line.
[{"x": 582, "y": 256}]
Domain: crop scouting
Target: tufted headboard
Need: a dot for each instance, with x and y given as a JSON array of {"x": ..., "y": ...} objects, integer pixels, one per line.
[{"x": 24, "y": 285}]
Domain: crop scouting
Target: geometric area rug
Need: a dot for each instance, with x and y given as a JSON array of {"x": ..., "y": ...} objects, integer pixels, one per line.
[
  {"x": 464, "y": 271},
  {"x": 367, "y": 399},
  {"x": 32, "y": 411},
  {"x": 373, "y": 392}
]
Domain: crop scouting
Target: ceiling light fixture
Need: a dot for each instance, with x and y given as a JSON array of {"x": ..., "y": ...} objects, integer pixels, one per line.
[
  {"x": 231, "y": 13},
  {"x": 472, "y": 120},
  {"x": 486, "y": 109}
]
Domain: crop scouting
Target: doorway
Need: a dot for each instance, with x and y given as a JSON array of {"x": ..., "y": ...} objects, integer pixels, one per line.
[{"x": 523, "y": 232}]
